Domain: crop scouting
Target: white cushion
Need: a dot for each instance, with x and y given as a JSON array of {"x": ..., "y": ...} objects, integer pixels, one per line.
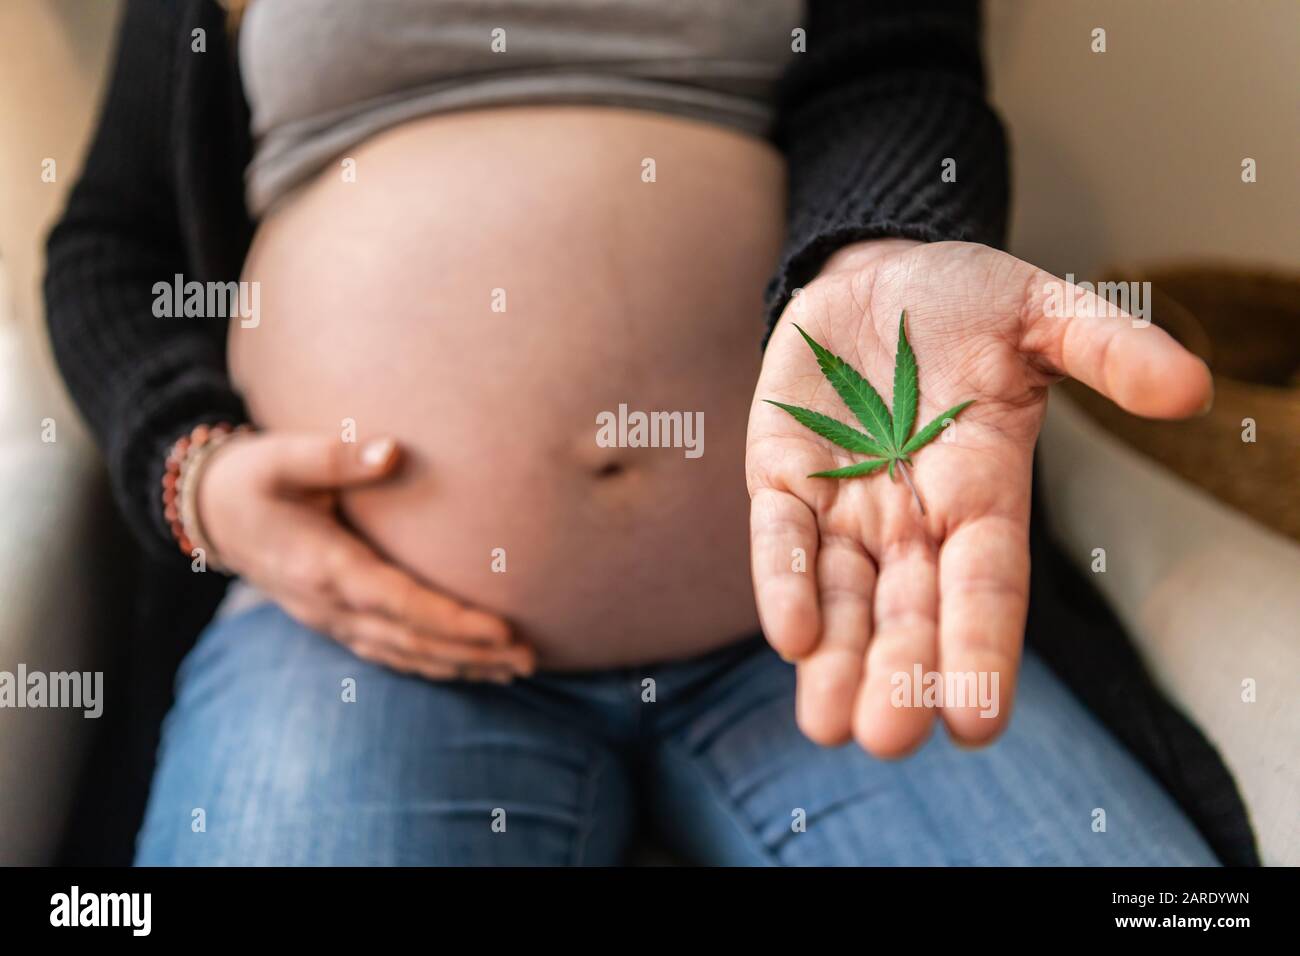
[{"x": 1211, "y": 598}]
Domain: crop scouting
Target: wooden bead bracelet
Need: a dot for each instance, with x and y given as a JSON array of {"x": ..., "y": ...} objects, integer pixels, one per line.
[{"x": 180, "y": 487}]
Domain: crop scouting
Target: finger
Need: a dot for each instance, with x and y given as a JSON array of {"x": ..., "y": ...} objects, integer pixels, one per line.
[
  {"x": 387, "y": 657},
  {"x": 314, "y": 462},
  {"x": 983, "y": 598},
  {"x": 889, "y": 720},
  {"x": 828, "y": 678},
  {"x": 783, "y": 556},
  {"x": 380, "y": 631},
  {"x": 310, "y": 614},
  {"x": 432, "y": 669},
  {"x": 429, "y": 670},
  {"x": 1143, "y": 370},
  {"x": 366, "y": 583},
  {"x": 331, "y": 565},
  {"x": 330, "y": 624},
  {"x": 491, "y": 675},
  {"x": 442, "y": 671}
]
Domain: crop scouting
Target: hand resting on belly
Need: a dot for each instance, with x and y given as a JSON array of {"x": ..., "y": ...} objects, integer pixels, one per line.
[{"x": 492, "y": 288}]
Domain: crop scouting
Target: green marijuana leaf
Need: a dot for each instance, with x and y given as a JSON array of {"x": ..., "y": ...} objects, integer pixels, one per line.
[{"x": 888, "y": 442}]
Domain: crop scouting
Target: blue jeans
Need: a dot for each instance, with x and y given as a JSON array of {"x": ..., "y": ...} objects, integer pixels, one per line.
[{"x": 266, "y": 759}]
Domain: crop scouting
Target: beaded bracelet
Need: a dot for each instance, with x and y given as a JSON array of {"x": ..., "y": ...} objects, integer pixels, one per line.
[{"x": 180, "y": 487}]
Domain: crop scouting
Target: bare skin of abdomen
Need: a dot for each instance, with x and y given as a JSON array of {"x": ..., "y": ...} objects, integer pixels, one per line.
[{"x": 487, "y": 287}]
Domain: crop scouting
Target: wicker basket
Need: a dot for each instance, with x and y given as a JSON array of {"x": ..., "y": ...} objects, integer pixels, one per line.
[{"x": 1246, "y": 325}]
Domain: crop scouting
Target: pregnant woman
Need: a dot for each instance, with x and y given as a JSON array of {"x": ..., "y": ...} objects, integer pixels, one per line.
[{"x": 463, "y": 629}]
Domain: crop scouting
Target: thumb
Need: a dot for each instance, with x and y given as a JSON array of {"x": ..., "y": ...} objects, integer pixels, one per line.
[
  {"x": 1141, "y": 368},
  {"x": 317, "y": 462}
]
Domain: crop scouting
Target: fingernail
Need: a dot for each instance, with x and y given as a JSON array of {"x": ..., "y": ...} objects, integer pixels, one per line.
[
  {"x": 1209, "y": 404},
  {"x": 376, "y": 453}
]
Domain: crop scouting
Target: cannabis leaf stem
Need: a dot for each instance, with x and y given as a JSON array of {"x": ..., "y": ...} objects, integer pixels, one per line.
[
  {"x": 887, "y": 442},
  {"x": 903, "y": 470}
]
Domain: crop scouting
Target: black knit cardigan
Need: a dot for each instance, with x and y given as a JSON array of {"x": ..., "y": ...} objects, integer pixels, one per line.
[{"x": 885, "y": 92}]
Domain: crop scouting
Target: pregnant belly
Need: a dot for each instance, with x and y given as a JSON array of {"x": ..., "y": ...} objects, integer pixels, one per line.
[{"x": 512, "y": 294}]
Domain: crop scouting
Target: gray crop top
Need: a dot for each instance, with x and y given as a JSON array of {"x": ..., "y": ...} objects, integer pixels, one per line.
[{"x": 321, "y": 76}]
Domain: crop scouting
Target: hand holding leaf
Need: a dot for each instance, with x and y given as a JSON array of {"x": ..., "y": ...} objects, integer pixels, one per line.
[
  {"x": 889, "y": 442},
  {"x": 851, "y": 582}
]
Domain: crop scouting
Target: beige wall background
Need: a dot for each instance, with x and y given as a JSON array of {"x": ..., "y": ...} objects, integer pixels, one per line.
[
  {"x": 1129, "y": 155},
  {"x": 53, "y": 57},
  {"x": 1134, "y": 155}
]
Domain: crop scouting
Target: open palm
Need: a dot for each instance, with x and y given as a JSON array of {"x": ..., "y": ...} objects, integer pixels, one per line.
[{"x": 853, "y": 580}]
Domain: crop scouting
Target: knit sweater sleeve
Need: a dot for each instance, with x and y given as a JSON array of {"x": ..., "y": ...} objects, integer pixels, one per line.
[
  {"x": 869, "y": 116},
  {"x": 140, "y": 380}
]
